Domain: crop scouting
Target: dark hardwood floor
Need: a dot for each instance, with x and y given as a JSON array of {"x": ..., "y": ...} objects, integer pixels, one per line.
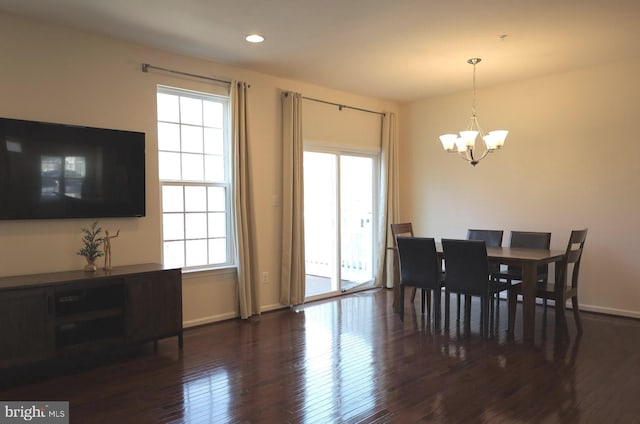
[{"x": 350, "y": 359}]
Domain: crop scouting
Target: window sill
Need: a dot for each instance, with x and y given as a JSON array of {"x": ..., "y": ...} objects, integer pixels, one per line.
[{"x": 204, "y": 272}]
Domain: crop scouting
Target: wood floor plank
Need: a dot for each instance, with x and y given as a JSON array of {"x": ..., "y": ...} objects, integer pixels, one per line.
[{"x": 351, "y": 360}]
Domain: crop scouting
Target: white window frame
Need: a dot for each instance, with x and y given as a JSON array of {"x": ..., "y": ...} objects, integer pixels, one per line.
[{"x": 226, "y": 184}]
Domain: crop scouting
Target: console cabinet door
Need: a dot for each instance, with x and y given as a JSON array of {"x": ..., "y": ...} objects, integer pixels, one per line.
[
  {"x": 153, "y": 305},
  {"x": 168, "y": 300},
  {"x": 26, "y": 325}
]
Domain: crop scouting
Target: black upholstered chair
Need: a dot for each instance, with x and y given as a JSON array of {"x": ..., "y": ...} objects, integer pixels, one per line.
[
  {"x": 492, "y": 238},
  {"x": 562, "y": 289},
  {"x": 467, "y": 273},
  {"x": 529, "y": 239},
  {"x": 420, "y": 269}
]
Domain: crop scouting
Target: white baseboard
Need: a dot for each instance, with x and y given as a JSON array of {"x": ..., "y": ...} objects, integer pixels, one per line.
[
  {"x": 610, "y": 311},
  {"x": 208, "y": 320},
  {"x": 593, "y": 308},
  {"x": 224, "y": 317},
  {"x": 273, "y": 307}
]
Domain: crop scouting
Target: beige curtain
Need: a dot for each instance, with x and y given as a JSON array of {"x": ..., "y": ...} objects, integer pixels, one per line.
[
  {"x": 248, "y": 290},
  {"x": 388, "y": 201},
  {"x": 292, "y": 285}
]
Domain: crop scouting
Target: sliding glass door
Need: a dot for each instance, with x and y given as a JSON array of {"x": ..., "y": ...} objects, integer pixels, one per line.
[{"x": 339, "y": 221}]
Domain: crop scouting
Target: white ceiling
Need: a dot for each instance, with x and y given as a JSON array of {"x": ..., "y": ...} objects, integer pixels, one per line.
[{"x": 393, "y": 49}]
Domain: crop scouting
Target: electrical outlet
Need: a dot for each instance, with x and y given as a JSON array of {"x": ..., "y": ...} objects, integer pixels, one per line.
[{"x": 265, "y": 277}]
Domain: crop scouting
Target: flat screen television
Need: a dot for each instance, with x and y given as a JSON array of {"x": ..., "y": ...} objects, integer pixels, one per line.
[{"x": 52, "y": 171}]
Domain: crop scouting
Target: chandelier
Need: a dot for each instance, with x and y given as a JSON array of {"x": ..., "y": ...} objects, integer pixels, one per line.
[{"x": 465, "y": 144}]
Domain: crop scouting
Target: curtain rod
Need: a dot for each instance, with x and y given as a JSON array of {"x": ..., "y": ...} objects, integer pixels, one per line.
[
  {"x": 146, "y": 67},
  {"x": 344, "y": 106}
]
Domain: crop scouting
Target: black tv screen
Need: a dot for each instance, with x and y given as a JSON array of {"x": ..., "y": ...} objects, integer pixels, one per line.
[{"x": 50, "y": 171}]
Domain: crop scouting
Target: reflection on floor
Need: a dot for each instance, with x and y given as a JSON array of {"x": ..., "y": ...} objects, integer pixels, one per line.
[{"x": 316, "y": 285}]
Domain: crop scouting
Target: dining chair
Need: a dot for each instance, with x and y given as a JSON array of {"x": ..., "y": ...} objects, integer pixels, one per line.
[
  {"x": 467, "y": 273},
  {"x": 492, "y": 238},
  {"x": 420, "y": 269},
  {"x": 529, "y": 239},
  {"x": 401, "y": 229},
  {"x": 561, "y": 290}
]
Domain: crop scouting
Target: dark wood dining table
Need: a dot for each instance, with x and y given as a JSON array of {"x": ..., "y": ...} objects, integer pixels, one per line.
[{"x": 528, "y": 259}]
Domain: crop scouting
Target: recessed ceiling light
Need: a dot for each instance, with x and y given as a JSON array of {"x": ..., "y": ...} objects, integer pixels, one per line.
[{"x": 254, "y": 38}]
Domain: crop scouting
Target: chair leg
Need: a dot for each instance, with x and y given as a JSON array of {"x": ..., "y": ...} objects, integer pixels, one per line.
[
  {"x": 576, "y": 313},
  {"x": 512, "y": 299},
  {"x": 447, "y": 308},
  {"x": 544, "y": 319},
  {"x": 467, "y": 311},
  {"x": 437, "y": 308},
  {"x": 561, "y": 317},
  {"x": 402, "y": 303},
  {"x": 458, "y": 316},
  {"x": 422, "y": 297},
  {"x": 492, "y": 303},
  {"x": 428, "y": 302},
  {"x": 494, "y": 307},
  {"x": 484, "y": 315},
  {"x": 497, "y": 317}
]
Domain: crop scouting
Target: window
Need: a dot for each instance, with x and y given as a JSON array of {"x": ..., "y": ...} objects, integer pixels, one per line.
[{"x": 194, "y": 171}]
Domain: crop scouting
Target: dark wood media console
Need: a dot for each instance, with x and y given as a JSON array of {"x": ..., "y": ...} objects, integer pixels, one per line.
[{"x": 57, "y": 315}]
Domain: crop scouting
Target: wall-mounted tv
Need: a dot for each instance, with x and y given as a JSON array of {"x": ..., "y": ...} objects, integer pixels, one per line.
[{"x": 51, "y": 171}]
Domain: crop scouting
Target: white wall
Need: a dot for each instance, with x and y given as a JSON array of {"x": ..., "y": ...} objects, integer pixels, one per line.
[
  {"x": 571, "y": 160},
  {"x": 55, "y": 74}
]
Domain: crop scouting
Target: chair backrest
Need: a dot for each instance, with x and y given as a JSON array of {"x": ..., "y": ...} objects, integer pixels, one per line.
[
  {"x": 531, "y": 239},
  {"x": 467, "y": 266},
  {"x": 573, "y": 255},
  {"x": 419, "y": 264},
  {"x": 493, "y": 238},
  {"x": 401, "y": 229}
]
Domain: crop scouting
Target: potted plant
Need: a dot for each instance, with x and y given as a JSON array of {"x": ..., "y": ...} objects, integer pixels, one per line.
[{"x": 91, "y": 249}]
